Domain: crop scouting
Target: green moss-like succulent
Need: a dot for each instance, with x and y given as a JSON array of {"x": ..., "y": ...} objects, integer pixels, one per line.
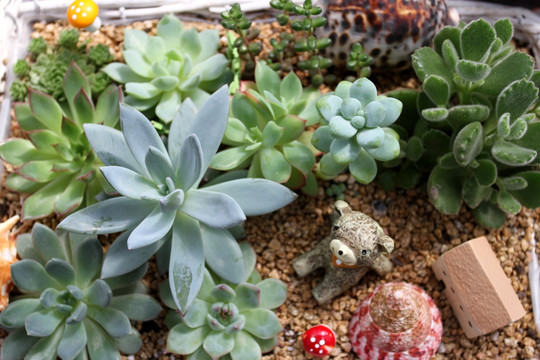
[
  {"x": 355, "y": 131},
  {"x": 21, "y": 68},
  {"x": 265, "y": 129},
  {"x": 475, "y": 136},
  {"x": 18, "y": 91},
  {"x": 228, "y": 321},
  {"x": 161, "y": 206},
  {"x": 56, "y": 165},
  {"x": 100, "y": 54},
  {"x": 37, "y": 46},
  {"x": 66, "y": 310},
  {"x": 161, "y": 71}
]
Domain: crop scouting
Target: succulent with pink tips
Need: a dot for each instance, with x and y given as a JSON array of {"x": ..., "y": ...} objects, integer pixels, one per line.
[{"x": 396, "y": 321}]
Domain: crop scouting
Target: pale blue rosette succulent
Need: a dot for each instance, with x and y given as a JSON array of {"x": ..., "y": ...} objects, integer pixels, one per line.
[{"x": 355, "y": 130}]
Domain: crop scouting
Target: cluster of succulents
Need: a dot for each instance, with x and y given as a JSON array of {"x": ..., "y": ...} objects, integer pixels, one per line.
[
  {"x": 355, "y": 130},
  {"x": 160, "y": 203},
  {"x": 56, "y": 164},
  {"x": 266, "y": 128},
  {"x": 66, "y": 310},
  {"x": 470, "y": 127},
  {"x": 49, "y": 63},
  {"x": 227, "y": 321},
  {"x": 162, "y": 71}
]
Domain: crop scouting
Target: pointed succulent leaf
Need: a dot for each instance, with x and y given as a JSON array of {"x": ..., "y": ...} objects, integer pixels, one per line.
[
  {"x": 83, "y": 109},
  {"x": 214, "y": 209},
  {"x": 189, "y": 167},
  {"x": 120, "y": 260},
  {"x": 13, "y": 316},
  {"x": 158, "y": 165},
  {"x": 120, "y": 282},
  {"x": 127, "y": 182},
  {"x": 172, "y": 201},
  {"x": 98, "y": 293},
  {"x": 196, "y": 316},
  {"x": 223, "y": 254},
  {"x": 511, "y": 154},
  {"x": 223, "y": 293},
  {"x": 489, "y": 215},
  {"x": 73, "y": 341},
  {"x": 154, "y": 227},
  {"x": 17, "y": 344},
  {"x": 468, "y": 143},
  {"x": 61, "y": 271},
  {"x": 427, "y": 62},
  {"x": 137, "y": 63},
  {"x": 262, "y": 323},
  {"x": 77, "y": 314},
  {"x": 47, "y": 243},
  {"x": 232, "y": 158},
  {"x": 184, "y": 340},
  {"x": 293, "y": 128},
  {"x": 299, "y": 156},
  {"x": 142, "y": 90},
  {"x": 135, "y": 39},
  {"x": 516, "y": 98},
  {"x": 444, "y": 188},
  {"x": 291, "y": 87},
  {"x": 271, "y": 134},
  {"x": 245, "y": 347},
  {"x": 74, "y": 82},
  {"x": 42, "y": 202},
  {"x": 476, "y": 40},
  {"x": 30, "y": 276},
  {"x": 26, "y": 119},
  {"x": 99, "y": 344},
  {"x": 236, "y": 132},
  {"x": 108, "y": 106},
  {"x": 19, "y": 151},
  {"x": 169, "y": 104},
  {"x": 129, "y": 344},
  {"x": 212, "y": 67},
  {"x": 486, "y": 172},
  {"x": 46, "y": 110},
  {"x": 267, "y": 79},
  {"x": 113, "y": 321},
  {"x": 273, "y": 293},
  {"x": 46, "y": 347},
  {"x": 187, "y": 261},
  {"x": 122, "y": 73},
  {"x": 43, "y": 323}
]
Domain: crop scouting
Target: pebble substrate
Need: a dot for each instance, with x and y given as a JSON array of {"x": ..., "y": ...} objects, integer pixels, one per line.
[{"x": 421, "y": 235}]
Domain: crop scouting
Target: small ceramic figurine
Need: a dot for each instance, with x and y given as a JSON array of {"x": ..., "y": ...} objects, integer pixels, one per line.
[
  {"x": 356, "y": 244},
  {"x": 396, "y": 321},
  {"x": 389, "y": 31},
  {"x": 8, "y": 255},
  {"x": 84, "y": 14},
  {"x": 319, "y": 340}
]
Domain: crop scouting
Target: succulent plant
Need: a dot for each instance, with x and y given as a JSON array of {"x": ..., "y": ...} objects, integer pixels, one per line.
[
  {"x": 56, "y": 164},
  {"x": 355, "y": 130},
  {"x": 49, "y": 63},
  {"x": 475, "y": 136},
  {"x": 65, "y": 310},
  {"x": 161, "y": 205},
  {"x": 21, "y": 68},
  {"x": 265, "y": 128},
  {"x": 227, "y": 321},
  {"x": 161, "y": 71},
  {"x": 18, "y": 91}
]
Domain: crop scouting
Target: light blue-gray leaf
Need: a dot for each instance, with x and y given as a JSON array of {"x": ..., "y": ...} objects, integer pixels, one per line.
[
  {"x": 153, "y": 228},
  {"x": 30, "y": 276},
  {"x": 46, "y": 243},
  {"x": 214, "y": 209},
  {"x": 223, "y": 254},
  {"x": 127, "y": 182},
  {"x": 364, "y": 90},
  {"x": 88, "y": 261},
  {"x": 189, "y": 166},
  {"x": 185, "y": 117},
  {"x": 113, "y": 321},
  {"x": 43, "y": 323}
]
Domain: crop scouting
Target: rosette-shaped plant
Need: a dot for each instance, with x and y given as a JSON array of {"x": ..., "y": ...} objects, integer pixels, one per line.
[
  {"x": 161, "y": 71},
  {"x": 65, "y": 310},
  {"x": 266, "y": 129},
  {"x": 56, "y": 164},
  {"x": 475, "y": 136},
  {"x": 228, "y": 321},
  {"x": 161, "y": 205},
  {"x": 355, "y": 130}
]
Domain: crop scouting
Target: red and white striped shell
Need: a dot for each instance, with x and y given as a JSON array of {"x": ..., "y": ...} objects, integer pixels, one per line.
[
  {"x": 8, "y": 255},
  {"x": 389, "y": 30},
  {"x": 397, "y": 321}
]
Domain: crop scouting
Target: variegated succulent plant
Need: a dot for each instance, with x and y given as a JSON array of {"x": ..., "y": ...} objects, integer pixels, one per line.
[
  {"x": 161, "y": 204},
  {"x": 161, "y": 71},
  {"x": 355, "y": 131},
  {"x": 227, "y": 321},
  {"x": 265, "y": 132},
  {"x": 66, "y": 310},
  {"x": 56, "y": 165}
]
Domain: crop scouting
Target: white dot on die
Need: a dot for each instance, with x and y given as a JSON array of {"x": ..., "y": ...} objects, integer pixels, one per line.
[
  {"x": 317, "y": 346},
  {"x": 81, "y": 4},
  {"x": 312, "y": 339},
  {"x": 89, "y": 8},
  {"x": 74, "y": 16},
  {"x": 322, "y": 342},
  {"x": 84, "y": 14},
  {"x": 78, "y": 10},
  {"x": 320, "y": 351},
  {"x": 72, "y": 7}
]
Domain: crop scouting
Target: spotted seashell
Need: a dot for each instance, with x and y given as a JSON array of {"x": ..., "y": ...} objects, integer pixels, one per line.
[
  {"x": 8, "y": 255},
  {"x": 396, "y": 321},
  {"x": 389, "y": 30}
]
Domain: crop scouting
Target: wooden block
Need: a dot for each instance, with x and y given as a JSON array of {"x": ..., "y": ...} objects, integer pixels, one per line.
[{"x": 477, "y": 288}]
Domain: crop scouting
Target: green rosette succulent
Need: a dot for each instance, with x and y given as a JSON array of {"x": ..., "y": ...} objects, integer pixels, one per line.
[
  {"x": 161, "y": 206},
  {"x": 265, "y": 132},
  {"x": 476, "y": 136},
  {"x": 65, "y": 309},
  {"x": 355, "y": 130},
  {"x": 56, "y": 165},
  {"x": 161, "y": 71},
  {"x": 227, "y": 321}
]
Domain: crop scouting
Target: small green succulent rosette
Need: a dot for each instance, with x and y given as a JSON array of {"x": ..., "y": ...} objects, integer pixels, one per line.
[
  {"x": 227, "y": 321},
  {"x": 56, "y": 165},
  {"x": 161, "y": 71},
  {"x": 355, "y": 130},
  {"x": 66, "y": 311},
  {"x": 266, "y": 131}
]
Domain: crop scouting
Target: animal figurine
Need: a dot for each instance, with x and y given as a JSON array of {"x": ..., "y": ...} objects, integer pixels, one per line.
[
  {"x": 389, "y": 30},
  {"x": 356, "y": 244},
  {"x": 396, "y": 321}
]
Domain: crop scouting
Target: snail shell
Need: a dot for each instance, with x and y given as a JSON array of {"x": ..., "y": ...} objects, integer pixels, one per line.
[
  {"x": 389, "y": 30},
  {"x": 396, "y": 321},
  {"x": 8, "y": 255}
]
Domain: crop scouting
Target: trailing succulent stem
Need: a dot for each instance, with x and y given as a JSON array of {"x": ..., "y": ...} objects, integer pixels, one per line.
[
  {"x": 475, "y": 136},
  {"x": 66, "y": 310},
  {"x": 162, "y": 71},
  {"x": 265, "y": 131},
  {"x": 56, "y": 165},
  {"x": 227, "y": 321},
  {"x": 161, "y": 207}
]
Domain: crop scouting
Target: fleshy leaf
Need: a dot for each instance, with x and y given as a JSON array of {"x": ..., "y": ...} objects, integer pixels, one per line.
[{"x": 223, "y": 254}]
